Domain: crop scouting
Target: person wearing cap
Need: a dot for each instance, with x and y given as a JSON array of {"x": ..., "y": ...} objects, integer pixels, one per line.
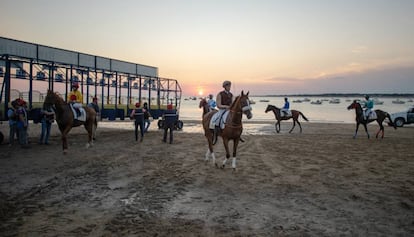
[
  {"x": 22, "y": 123},
  {"x": 285, "y": 108},
  {"x": 138, "y": 115},
  {"x": 369, "y": 105},
  {"x": 224, "y": 99},
  {"x": 47, "y": 118},
  {"x": 75, "y": 98},
  {"x": 75, "y": 91},
  {"x": 211, "y": 102}
]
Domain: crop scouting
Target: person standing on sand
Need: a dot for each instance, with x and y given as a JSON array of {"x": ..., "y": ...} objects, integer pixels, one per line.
[
  {"x": 138, "y": 115},
  {"x": 48, "y": 117},
  {"x": 11, "y": 114}
]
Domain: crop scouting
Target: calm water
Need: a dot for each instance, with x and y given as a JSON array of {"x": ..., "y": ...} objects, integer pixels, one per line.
[{"x": 326, "y": 112}]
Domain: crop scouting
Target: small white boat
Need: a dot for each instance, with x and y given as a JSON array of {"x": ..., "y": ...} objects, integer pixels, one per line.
[
  {"x": 264, "y": 100},
  {"x": 335, "y": 101},
  {"x": 297, "y": 101},
  {"x": 318, "y": 102},
  {"x": 306, "y": 100},
  {"x": 377, "y": 101},
  {"x": 398, "y": 101}
]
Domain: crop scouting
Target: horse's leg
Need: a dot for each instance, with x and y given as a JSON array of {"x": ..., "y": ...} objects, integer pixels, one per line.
[
  {"x": 356, "y": 130},
  {"x": 89, "y": 128},
  {"x": 366, "y": 129},
  {"x": 277, "y": 126},
  {"x": 294, "y": 124},
  {"x": 210, "y": 150},
  {"x": 300, "y": 126},
  {"x": 380, "y": 130},
  {"x": 235, "y": 144},
  {"x": 226, "y": 146},
  {"x": 65, "y": 132}
]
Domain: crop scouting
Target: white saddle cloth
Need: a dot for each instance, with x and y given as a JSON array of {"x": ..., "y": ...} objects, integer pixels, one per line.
[
  {"x": 82, "y": 116},
  {"x": 216, "y": 117}
]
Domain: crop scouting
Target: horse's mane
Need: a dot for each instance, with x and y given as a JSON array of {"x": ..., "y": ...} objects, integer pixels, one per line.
[
  {"x": 274, "y": 107},
  {"x": 57, "y": 97},
  {"x": 234, "y": 102}
]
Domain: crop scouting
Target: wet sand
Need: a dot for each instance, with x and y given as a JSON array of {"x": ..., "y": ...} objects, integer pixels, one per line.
[{"x": 318, "y": 183}]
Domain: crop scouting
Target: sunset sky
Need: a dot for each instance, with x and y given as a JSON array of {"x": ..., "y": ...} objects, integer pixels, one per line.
[{"x": 262, "y": 46}]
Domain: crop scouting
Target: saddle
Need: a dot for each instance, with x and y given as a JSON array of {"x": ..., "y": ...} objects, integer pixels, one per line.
[
  {"x": 372, "y": 115},
  {"x": 285, "y": 113},
  {"x": 78, "y": 113}
]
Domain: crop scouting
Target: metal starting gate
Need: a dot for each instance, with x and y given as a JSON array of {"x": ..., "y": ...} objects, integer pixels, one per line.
[{"x": 28, "y": 70}]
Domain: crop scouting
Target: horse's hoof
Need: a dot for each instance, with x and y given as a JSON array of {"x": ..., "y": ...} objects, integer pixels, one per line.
[
  {"x": 215, "y": 164},
  {"x": 222, "y": 167},
  {"x": 234, "y": 169},
  {"x": 65, "y": 152}
]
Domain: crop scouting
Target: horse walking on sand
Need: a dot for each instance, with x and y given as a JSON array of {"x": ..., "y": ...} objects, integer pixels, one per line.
[
  {"x": 204, "y": 104},
  {"x": 295, "y": 116},
  {"x": 381, "y": 115},
  {"x": 66, "y": 120},
  {"x": 232, "y": 130}
]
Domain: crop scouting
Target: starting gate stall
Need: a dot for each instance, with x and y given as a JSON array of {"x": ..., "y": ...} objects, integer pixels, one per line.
[{"x": 28, "y": 70}]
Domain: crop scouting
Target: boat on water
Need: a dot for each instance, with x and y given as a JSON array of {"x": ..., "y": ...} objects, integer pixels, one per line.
[
  {"x": 317, "y": 102},
  {"x": 306, "y": 100},
  {"x": 335, "y": 101},
  {"x": 264, "y": 100},
  {"x": 296, "y": 101},
  {"x": 377, "y": 101},
  {"x": 398, "y": 101}
]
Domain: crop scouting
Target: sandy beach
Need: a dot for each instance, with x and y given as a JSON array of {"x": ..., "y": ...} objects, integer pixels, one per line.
[{"x": 318, "y": 183}]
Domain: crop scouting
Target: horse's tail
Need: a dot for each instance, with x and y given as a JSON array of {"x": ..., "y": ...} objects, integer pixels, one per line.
[
  {"x": 389, "y": 118},
  {"x": 303, "y": 116}
]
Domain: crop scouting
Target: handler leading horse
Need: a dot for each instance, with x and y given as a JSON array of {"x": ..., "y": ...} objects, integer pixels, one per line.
[
  {"x": 381, "y": 115},
  {"x": 65, "y": 119},
  {"x": 294, "y": 116},
  {"x": 232, "y": 130}
]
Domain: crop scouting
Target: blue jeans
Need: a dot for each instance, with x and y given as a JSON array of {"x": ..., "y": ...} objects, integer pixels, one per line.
[
  {"x": 44, "y": 136},
  {"x": 147, "y": 123},
  {"x": 12, "y": 132}
]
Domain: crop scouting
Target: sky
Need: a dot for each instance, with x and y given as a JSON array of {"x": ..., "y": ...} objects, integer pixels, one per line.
[{"x": 267, "y": 47}]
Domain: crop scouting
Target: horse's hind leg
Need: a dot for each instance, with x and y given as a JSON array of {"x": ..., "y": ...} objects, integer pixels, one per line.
[
  {"x": 380, "y": 130},
  {"x": 294, "y": 124},
  {"x": 300, "y": 126}
]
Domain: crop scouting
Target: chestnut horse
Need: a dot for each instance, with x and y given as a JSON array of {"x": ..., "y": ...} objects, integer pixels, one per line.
[
  {"x": 294, "y": 116},
  {"x": 232, "y": 130},
  {"x": 381, "y": 115},
  {"x": 204, "y": 104},
  {"x": 65, "y": 119}
]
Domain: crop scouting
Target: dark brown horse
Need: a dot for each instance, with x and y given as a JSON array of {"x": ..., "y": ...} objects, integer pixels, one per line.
[
  {"x": 232, "y": 130},
  {"x": 294, "y": 116},
  {"x": 381, "y": 115},
  {"x": 65, "y": 119}
]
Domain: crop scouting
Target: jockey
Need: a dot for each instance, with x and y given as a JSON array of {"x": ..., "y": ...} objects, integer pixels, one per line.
[
  {"x": 285, "y": 108},
  {"x": 76, "y": 92},
  {"x": 224, "y": 100},
  {"x": 211, "y": 102},
  {"x": 369, "y": 105}
]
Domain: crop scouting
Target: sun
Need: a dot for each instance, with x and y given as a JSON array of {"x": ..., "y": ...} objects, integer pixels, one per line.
[{"x": 200, "y": 91}]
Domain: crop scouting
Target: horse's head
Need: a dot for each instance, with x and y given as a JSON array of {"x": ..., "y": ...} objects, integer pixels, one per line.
[
  {"x": 355, "y": 104},
  {"x": 269, "y": 108},
  {"x": 51, "y": 99},
  {"x": 203, "y": 102},
  {"x": 245, "y": 105}
]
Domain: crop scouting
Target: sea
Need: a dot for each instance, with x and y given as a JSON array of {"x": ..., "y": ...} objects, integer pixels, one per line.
[{"x": 263, "y": 123}]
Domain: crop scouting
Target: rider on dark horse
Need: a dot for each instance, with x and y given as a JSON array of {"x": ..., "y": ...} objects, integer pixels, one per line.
[
  {"x": 369, "y": 105},
  {"x": 285, "y": 108}
]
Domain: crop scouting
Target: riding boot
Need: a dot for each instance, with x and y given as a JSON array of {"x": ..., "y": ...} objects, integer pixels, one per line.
[{"x": 215, "y": 134}]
